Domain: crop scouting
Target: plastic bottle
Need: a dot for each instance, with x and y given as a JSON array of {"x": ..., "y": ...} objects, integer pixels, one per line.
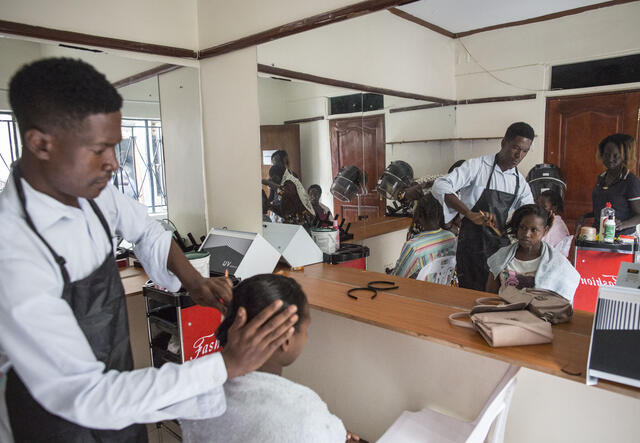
[
  {"x": 604, "y": 215},
  {"x": 609, "y": 229}
]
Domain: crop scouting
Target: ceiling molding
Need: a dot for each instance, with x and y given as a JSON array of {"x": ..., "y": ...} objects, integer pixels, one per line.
[
  {"x": 280, "y": 72},
  {"x": 412, "y": 18},
  {"x": 162, "y": 69},
  {"x": 542, "y": 18},
  {"x": 305, "y": 24},
  {"x": 92, "y": 40}
]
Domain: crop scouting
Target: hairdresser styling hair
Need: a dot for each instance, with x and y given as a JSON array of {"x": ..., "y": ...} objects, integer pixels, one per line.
[{"x": 484, "y": 190}]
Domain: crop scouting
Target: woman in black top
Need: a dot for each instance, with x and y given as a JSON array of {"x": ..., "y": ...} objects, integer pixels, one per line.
[{"x": 617, "y": 184}]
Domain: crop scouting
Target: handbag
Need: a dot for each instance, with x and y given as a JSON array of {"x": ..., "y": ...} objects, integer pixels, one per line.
[
  {"x": 547, "y": 305},
  {"x": 506, "y": 325}
]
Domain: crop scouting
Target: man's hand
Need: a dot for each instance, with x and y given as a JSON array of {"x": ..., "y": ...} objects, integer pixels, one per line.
[
  {"x": 212, "y": 292},
  {"x": 481, "y": 218},
  {"x": 413, "y": 192},
  {"x": 250, "y": 345}
]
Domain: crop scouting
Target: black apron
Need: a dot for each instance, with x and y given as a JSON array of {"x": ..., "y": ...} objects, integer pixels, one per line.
[
  {"x": 98, "y": 303},
  {"x": 476, "y": 243}
]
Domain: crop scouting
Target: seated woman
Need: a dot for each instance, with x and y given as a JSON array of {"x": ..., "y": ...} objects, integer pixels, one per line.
[
  {"x": 552, "y": 203},
  {"x": 262, "y": 405},
  {"x": 617, "y": 185},
  {"x": 323, "y": 213},
  {"x": 426, "y": 240},
  {"x": 531, "y": 262}
]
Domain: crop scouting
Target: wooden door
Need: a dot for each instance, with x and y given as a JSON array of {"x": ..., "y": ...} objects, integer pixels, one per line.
[
  {"x": 274, "y": 137},
  {"x": 575, "y": 126},
  {"x": 359, "y": 142}
]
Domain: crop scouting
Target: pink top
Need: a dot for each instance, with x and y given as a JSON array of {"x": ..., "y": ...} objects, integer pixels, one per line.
[{"x": 557, "y": 232}]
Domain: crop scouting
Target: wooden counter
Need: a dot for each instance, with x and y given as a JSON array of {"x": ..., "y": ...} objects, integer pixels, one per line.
[
  {"x": 372, "y": 227},
  {"x": 421, "y": 309}
]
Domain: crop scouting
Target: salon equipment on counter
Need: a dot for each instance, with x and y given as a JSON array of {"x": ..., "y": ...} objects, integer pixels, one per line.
[
  {"x": 293, "y": 242},
  {"x": 243, "y": 254},
  {"x": 546, "y": 176},
  {"x": 327, "y": 239},
  {"x": 615, "y": 337},
  {"x": 344, "y": 232},
  {"x": 349, "y": 255},
  {"x": 178, "y": 329},
  {"x": 373, "y": 287},
  {"x": 399, "y": 210},
  {"x": 181, "y": 241}
]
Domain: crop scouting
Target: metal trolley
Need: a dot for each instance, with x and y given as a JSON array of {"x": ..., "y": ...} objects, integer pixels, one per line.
[{"x": 178, "y": 331}]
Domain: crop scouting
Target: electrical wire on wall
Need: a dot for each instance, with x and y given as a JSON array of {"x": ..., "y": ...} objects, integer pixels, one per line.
[{"x": 493, "y": 75}]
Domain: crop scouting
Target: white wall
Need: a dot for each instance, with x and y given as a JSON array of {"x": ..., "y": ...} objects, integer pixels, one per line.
[
  {"x": 164, "y": 22},
  {"x": 231, "y": 121},
  {"x": 220, "y": 21},
  {"x": 517, "y": 68},
  {"x": 378, "y": 49},
  {"x": 182, "y": 141},
  {"x": 368, "y": 375}
]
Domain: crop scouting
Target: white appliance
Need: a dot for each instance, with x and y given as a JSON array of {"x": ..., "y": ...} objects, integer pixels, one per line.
[{"x": 293, "y": 242}]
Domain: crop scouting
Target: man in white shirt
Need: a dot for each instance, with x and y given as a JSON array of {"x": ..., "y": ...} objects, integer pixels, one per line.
[
  {"x": 62, "y": 307},
  {"x": 485, "y": 190}
]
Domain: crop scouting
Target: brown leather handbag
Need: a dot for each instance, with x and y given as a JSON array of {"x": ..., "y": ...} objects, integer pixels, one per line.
[
  {"x": 545, "y": 304},
  {"x": 500, "y": 327}
]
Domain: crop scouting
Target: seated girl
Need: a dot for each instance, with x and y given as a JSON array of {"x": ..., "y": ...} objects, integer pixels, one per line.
[
  {"x": 552, "y": 202},
  {"x": 531, "y": 262},
  {"x": 263, "y": 406},
  {"x": 426, "y": 240}
]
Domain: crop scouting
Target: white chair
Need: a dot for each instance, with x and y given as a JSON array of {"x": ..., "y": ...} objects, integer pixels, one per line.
[
  {"x": 431, "y": 426},
  {"x": 564, "y": 245},
  {"x": 442, "y": 269}
]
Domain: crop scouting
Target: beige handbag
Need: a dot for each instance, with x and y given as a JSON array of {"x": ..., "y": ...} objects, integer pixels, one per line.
[
  {"x": 545, "y": 304},
  {"x": 500, "y": 327}
]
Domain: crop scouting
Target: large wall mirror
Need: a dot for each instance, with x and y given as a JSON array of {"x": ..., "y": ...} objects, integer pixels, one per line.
[
  {"x": 326, "y": 128},
  {"x": 161, "y": 127}
]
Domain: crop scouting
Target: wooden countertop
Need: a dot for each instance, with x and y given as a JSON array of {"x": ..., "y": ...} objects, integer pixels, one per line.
[
  {"x": 372, "y": 227},
  {"x": 422, "y": 309}
]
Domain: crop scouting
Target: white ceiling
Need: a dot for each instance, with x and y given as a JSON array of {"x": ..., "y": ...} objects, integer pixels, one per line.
[{"x": 464, "y": 15}]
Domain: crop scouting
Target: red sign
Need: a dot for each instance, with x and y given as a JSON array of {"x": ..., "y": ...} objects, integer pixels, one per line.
[
  {"x": 596, "y": 269},
  {"x": 199, "y": 326}
]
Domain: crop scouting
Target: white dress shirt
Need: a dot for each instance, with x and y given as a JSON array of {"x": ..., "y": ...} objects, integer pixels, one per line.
[
  {"x": 42, "y": 339},
  {"x": 469, "y": 182}
]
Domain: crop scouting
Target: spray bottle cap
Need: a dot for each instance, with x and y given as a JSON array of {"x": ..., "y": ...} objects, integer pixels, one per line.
[
  {"x": 611, "y": 217},
  {"x": 608, "y": 205}
]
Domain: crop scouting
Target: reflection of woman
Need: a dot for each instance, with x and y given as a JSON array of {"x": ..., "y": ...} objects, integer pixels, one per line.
[
  {"x": 426, "y": 240},
  {"x": 617, "y": 184}
]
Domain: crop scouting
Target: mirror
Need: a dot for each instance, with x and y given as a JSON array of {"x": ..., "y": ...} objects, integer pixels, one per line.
[
  {"x": 161, "y": 128},
  {"x": 326, "y": 128}
]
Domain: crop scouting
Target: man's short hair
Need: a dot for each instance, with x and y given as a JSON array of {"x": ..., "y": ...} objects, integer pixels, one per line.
[
  {"x": 314, "y": 186},
  {"x": 60, "y": 92},
  {"x": 519, "y": 129}
]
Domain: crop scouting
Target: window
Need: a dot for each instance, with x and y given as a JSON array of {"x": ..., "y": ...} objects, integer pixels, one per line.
[
  {"x": 141, "y": 173},
  {"x": 10, "y": 146}
]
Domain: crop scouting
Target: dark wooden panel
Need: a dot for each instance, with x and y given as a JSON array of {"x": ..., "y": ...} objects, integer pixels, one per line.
[
  {"x": 359, "y": 142},
  {"x": 92, "y": 40},
  {"x": 162, "y": 69},
  {"x": 280, "y": 72},
  {"x": 575, "y": 126}
]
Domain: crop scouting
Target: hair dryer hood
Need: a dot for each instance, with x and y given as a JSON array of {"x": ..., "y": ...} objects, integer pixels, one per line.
[
  {"x": 395, "y": 178},
  {"x": 347, "y": 184}
]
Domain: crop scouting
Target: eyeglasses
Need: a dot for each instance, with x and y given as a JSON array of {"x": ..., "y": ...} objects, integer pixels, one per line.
[{"x": 373, "y": 287}]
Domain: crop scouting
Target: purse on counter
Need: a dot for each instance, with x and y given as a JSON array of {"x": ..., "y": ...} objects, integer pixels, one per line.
[
  {"x": 543, "y": 303},
  {"x": 506, "y": 325}
]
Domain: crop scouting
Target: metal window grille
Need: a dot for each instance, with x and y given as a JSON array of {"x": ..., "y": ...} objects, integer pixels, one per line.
[{"x": 140, "y": 154}]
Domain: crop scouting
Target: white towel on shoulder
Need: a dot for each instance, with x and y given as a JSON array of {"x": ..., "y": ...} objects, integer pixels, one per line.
[{"x": 264, "y": 407}]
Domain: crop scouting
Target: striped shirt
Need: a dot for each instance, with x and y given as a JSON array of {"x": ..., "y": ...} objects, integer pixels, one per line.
[{"x": 422, "y": 249}]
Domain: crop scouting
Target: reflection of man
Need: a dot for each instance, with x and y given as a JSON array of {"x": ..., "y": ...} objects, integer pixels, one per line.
[
  {"x": 62, "y": 306},
  {"x": 488, "y": 188}
]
